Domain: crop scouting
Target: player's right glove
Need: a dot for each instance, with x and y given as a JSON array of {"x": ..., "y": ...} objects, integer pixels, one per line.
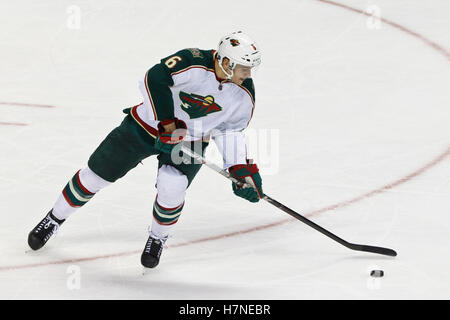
[
  {"x": 167, "y": 140},
  {"x": 249, "y": 174}
]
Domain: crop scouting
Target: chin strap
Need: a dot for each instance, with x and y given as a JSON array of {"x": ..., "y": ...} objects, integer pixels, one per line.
[{"x": 229, "y": 76}]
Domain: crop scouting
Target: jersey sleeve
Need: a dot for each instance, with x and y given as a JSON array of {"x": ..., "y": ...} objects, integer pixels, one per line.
[
  {"x": 229, "y": 137},
  {"x": 232, "y": 147},
  {"x": 158, "y": 81}
]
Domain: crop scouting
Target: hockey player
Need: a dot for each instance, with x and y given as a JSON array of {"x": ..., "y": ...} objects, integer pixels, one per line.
[{"x": 189, "y": 97}]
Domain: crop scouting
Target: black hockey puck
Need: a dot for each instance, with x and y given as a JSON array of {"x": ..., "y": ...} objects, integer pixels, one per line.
[{"x": 377, "y": 273}]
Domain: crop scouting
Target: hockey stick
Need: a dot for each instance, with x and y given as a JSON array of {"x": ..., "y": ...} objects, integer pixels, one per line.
[{"x": 352, "y": 246}]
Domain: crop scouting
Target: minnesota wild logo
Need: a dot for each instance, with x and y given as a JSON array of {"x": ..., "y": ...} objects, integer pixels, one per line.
[
  {"x": 197, "y": 106},
  {"x": 234, "y": 42}
]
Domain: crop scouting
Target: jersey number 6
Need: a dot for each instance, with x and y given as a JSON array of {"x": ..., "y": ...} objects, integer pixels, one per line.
[{"x": 172, "y": 62}]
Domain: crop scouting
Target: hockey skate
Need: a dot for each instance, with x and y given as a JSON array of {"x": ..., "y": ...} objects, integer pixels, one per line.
[
  {"x": 39, "y": 236},
  {"x": 152, "y": 251}
]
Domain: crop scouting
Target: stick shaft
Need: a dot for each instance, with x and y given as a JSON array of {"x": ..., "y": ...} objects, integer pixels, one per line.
[{"x": 352, "y": 246}]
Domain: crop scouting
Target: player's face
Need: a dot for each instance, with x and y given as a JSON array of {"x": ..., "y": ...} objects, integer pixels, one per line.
[{"x": 240, "y": 73}]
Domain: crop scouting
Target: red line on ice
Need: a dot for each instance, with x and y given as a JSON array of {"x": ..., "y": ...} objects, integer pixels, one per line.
[
  {"x": 33, "y": 105},
  {"x": 12, "y": 124},
  {"x": 430, "y": 43},
  {"x": 338, "y": 205}
]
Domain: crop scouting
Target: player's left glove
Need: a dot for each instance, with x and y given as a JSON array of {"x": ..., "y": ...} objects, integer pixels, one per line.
[
  {"x": 247, "y": 173},
  {"x": 167, "y": 140}
]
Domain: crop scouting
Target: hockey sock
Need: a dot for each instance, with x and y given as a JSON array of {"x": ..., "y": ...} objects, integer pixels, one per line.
[
  {"x": 78, "y": 191},
  {"x": 164, "y": 218}
]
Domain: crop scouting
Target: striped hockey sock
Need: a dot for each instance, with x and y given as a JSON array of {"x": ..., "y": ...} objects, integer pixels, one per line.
[
  {"x": 78, "y": 191},
  {"x": 166, "y": 216},
  {"x": 75, "y": 193}
]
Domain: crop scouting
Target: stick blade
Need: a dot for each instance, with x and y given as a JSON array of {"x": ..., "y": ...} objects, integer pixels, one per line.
[{"x": 373, "y": 249}]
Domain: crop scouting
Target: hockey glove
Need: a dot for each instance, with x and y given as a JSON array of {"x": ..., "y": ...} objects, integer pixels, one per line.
[
  {"x": 167, "y": 140},
  {"x": 249, "y": 174}
]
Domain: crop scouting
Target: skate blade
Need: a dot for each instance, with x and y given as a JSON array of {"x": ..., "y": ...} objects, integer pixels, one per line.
[
  {"x": 29, "y": 251},
  {"x": 145, "y": 271}
]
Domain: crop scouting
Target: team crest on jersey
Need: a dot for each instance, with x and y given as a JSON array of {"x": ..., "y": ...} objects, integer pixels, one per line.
[
  {"x": 197, "y": 106},
  {"x": 196, "y": 53}
]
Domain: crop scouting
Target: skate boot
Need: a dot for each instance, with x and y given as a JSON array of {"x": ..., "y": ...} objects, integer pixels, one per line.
[
  {"x": 38, "y": 237},
  {"x": 152, "y": 251}
]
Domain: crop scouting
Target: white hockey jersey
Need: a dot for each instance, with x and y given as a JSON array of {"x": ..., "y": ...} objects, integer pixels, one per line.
[{"x": 185, "y": 86}]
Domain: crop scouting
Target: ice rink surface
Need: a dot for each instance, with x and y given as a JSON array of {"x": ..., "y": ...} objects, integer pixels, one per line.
[{"x": 351, "y": 128}]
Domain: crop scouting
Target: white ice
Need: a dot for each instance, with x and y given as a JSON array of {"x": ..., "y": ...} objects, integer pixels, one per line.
[{"x": 353, "y": 104}]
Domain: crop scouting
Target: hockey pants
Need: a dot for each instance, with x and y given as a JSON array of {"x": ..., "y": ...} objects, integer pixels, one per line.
[{"x": 122, "y": 150}]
